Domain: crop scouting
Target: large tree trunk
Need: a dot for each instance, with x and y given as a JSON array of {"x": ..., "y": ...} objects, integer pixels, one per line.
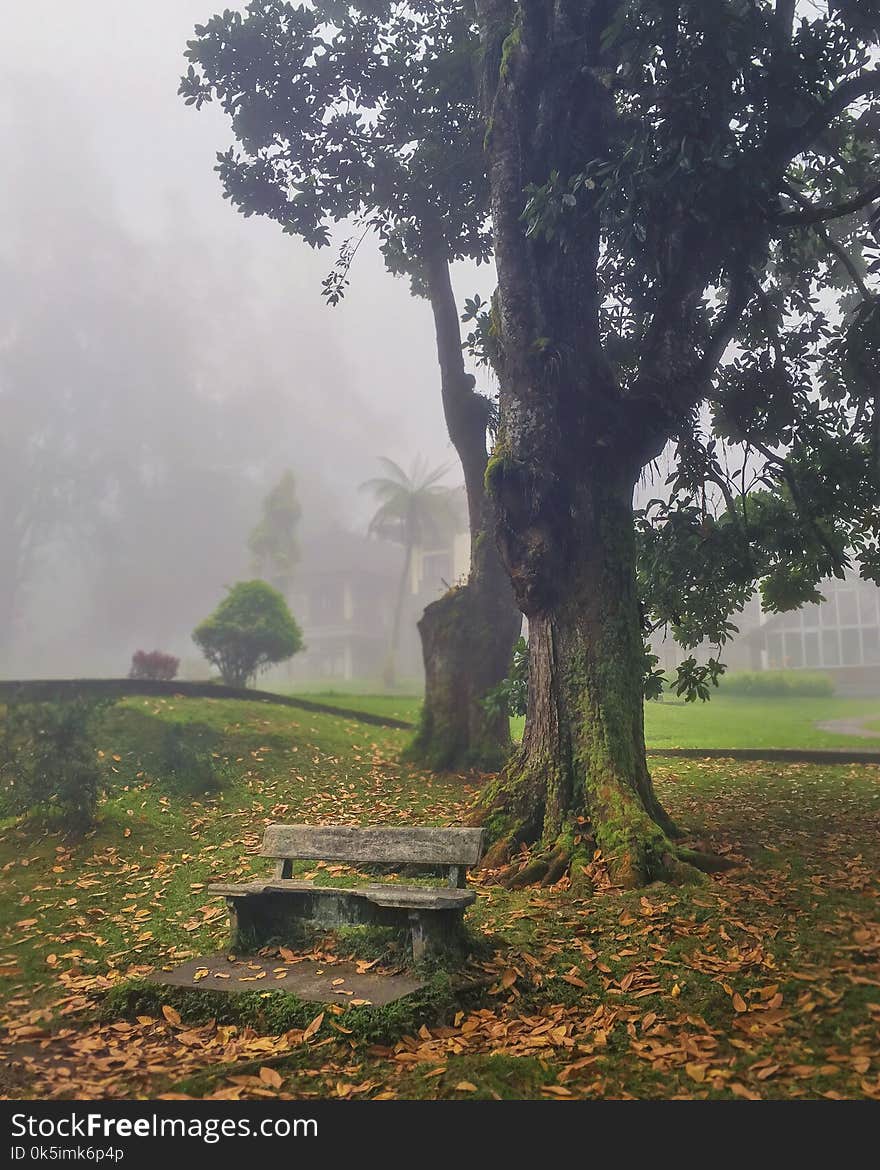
[
  {"x": 581, "y": 778},
  {"x": 469, "y": 633},
  {"x": 467, "y": 643},
  {"x": 569, "y": 452}
]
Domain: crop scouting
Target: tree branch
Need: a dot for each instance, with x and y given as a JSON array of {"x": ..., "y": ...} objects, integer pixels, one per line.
[
  {"x": 862, "y": 85},
  {"x": 797, "y": 498},
  {"x": 784, "y": 21},
  {"x": 814, "y": 213},
  {"x": 832, "y": 245}
]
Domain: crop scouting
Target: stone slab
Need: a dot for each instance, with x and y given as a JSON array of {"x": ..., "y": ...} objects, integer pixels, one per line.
[
  {"x": 388, "y": 894},
  {"x": 306, "y": 979}
]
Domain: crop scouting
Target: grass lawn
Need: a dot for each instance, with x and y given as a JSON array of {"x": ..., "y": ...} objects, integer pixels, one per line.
[
  {"x": 404, "y": 707},
  {"x": 740, "y": 722},
  {"x": 737, "y": 721},
  {"x": 725, "y": 721},
  {"x": 765, "y": 982}
]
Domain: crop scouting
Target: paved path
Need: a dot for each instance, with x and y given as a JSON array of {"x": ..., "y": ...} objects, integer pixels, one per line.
[{"x": 850, "y": 727}]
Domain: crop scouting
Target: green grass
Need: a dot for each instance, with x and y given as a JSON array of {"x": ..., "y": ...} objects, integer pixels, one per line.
[
  {"x": 734, "y": 721},
  {"x": 739, "y": 722},
  {"x": 404, "y": 707},
  {"x": 797, "y": 919}
]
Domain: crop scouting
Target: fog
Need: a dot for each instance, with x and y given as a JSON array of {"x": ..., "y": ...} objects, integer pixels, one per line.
[{"x": 162, "y": 359}]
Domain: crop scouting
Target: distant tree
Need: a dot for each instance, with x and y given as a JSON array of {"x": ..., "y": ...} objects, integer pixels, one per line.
[
  {"x": 153, "y": 664},
  {"x": 273, "y": 542},
  {"x": 250, "y": 629},
  {"x": 415, "y": 511},
  {"x": 368, "y": 114}
]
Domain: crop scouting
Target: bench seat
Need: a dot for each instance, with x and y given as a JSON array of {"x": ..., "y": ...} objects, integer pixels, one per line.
[
  {"x": 264, "y": 910},
  {"x": 408, "y": 897}
]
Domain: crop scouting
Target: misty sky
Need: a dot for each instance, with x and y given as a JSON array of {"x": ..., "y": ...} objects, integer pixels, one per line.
[
  {"x": 117, "y": 64},
  {"x": 163, "y": 359}
]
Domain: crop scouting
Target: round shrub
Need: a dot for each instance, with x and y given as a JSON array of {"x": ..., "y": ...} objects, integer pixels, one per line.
[{"x": 250, "y": 629}]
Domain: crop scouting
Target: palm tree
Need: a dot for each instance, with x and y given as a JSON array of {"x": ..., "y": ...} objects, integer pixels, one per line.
[{"x": 415, "y": 510}]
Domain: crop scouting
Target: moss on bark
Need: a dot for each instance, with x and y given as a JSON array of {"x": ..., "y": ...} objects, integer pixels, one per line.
[
  {"x": 581, "y": 781},
  {"x": 467, "y": 639}
]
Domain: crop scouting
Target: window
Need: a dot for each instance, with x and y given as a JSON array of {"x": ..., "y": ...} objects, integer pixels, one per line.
[
  {"x": 811, "y": 649},
  {"x": 811, "y": 616},
  {"x": 871, "y": 645},
  {"x": 830, "y": 648},
  {"x": 847, "y": 610},
  {"x": 774, "y": 651},
  {"x": 851, "y": 647},
  {"x": 794, "y": 651},
  {"x": 868, "y": 606},
  {"x": 828, "y": 612},
  {"x": 326, "y": 604}
]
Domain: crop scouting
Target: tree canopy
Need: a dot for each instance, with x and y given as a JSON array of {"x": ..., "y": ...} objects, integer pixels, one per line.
[
  {"x": 724, "y": 209},
  {"x": 363, "y": 113},
  {"x": 414, "y": 508}
]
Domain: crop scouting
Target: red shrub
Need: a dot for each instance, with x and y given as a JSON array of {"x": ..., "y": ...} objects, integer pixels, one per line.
[{"x": 153, "y": 665}]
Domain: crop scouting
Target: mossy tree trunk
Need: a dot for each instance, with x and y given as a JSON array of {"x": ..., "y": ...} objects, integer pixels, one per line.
[
  {"x": 467, "y": 642},
  {"x": 469, "y": 633},
  {"x": 581, "y": 779},
  {"x": 571, "y": 447}
]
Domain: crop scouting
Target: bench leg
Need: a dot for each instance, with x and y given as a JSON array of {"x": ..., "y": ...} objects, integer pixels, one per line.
[
  {"x": 418, "y": 929},
  {"x": 436, "y": 933},
  {"x": 241, "y": 924}
]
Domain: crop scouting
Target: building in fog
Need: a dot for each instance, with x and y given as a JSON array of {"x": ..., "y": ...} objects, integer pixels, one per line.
[
  {"x": 344, "y": 596},
  {"x": 839, "y": 637}
]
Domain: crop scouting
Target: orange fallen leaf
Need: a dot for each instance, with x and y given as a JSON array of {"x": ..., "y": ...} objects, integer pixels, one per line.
[{"x": 314, "y": 1027}]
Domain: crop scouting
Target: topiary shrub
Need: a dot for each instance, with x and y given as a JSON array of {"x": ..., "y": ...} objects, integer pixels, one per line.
[
  {"x": 153, "y": 664},
  {"x": 250, "y": 629}
]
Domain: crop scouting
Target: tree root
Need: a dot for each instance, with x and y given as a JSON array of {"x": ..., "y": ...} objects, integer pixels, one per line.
[
  {"x": 546, "y": 866},
  {"x": 706, "y": 862},
  {"x": 529, "y": 874},
  {"x": 623, "y": 845},
  {"x": 558, "y": 865}
]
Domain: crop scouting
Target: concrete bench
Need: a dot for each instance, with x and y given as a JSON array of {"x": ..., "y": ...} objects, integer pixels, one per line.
[{"x": 264, "y": 911}]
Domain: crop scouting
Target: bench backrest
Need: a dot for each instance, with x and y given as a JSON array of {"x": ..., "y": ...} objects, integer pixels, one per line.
[{"x": 374, "y": 844}]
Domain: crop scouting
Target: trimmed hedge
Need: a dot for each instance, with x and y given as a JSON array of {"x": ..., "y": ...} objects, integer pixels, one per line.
[{"x": 777, "y": 683}]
